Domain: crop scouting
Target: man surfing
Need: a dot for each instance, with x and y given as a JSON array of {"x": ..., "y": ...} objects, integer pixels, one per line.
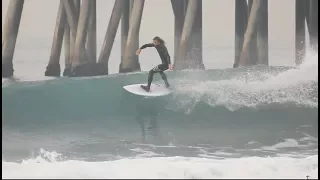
[{"x": 159, "y": 44}]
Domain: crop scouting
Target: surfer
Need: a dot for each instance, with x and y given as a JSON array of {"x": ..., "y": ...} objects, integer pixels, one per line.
[{"x": 159, "y": 44}]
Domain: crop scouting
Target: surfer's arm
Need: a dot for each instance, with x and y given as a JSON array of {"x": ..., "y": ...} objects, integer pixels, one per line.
[
  {"x": 143, "y": 47},
  {"x": 147, "y": 45}
]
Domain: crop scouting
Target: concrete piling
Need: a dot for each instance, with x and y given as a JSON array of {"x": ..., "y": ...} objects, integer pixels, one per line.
[
  {"x": 72, "y": 8},
  {"x": 249, "y": 34},
  {"x": 117, "y": 11},
  {"x": 253, "y": 49},
  {"x": 136, "y": 40},
  {"x": 179, "y": 14},
  {"x": 241, "y": 19},
  {"x": 53, "y": 68},
  {"x": 124, "y": 28},
  {"x": 71, "y": 17},
  {"x": 192, "y": 57},
  {"x": 128, "y": 64},
  {"x": 67, "y": 55},
  {"x": 195, "y": 48},
  {"x": 80, "y": 65},
  {"x": 313, "y": 28},
  {"x": 92, "y": 33},
  {"x": 262, "y": 34},
  {"x": 77, "y": 4},
  {"x": 180, "y": 62},
  {"x": 10, "y": 34},
  {"x": 308, "y": 7},
  {"x": 300, "y": 31}
]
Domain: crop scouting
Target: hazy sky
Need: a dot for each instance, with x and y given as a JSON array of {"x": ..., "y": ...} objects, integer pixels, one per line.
[{"x": 38, "y": 21}]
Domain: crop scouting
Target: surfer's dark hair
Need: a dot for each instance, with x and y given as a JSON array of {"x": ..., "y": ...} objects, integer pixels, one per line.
[{"x": 161, "y": 41}]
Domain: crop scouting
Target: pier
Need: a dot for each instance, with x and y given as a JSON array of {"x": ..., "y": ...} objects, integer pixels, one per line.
[{"x": 76, "y": 32}]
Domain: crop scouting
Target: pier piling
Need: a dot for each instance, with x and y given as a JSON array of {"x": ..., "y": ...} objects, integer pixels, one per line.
[
  {"x": 10, "y": 32},
  {"x": 67, "y": 55},
  {"x": 81, "y": 66},
  {"x": 179, "y": 13},
  {"x": 136, "y": 40},
  {"x": 253, "y": 49},
  {"x": 241, "y": 19},
  {"x": 262, "y": 34},
  {"x": 250, "y": 32},
  {"x": 180, "y": 62},
  {"x": 195, "y": 47},
  {"x": 124, "y": 29},
  {"x": 72, "y": 8},
  {"x": 92, "y": 33},
  {"x": 300, "y": 31},
  {"x": 117, "y": 11},
  {"x": 129, "y": 64},
  {"x": 313, "y": 28},
  {"x": 71, "y": 12},
  {"x": 191, "y": 57},
  {"x": 53, "y": 68}
]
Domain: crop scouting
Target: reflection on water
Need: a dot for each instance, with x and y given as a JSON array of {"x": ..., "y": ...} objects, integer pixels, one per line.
[{"x": 147, "y": 114}]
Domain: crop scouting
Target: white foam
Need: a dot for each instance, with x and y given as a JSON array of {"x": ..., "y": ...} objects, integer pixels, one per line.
[
  {"x": 294, "y": 85},
  {"x": 308, "y": 138},
  {"x": 287, "y": 143},
  {"x": 252, "y": 142},
  {"x": 145, "y": 153},
  {"x": 167, "y": 167}
]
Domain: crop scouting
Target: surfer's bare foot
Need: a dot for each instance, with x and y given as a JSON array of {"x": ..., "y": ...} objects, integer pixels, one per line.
[
  {"x": 146, "y": 88},
  {"x": 167, "y": 85}
]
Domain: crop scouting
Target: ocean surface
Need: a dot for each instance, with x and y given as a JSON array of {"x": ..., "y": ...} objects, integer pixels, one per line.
[{"x": 250, "y": 122}]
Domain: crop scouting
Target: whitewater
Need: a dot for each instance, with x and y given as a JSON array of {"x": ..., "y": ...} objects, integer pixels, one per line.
[{"x": 249, "y": 122}]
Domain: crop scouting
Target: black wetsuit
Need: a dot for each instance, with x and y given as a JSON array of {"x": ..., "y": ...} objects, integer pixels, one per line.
[{"x": 165, "y": 58}]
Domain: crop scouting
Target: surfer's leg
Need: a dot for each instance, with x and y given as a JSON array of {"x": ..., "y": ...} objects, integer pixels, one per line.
[
  {"x": 162, "y": 68},
  {"x": 164, "y": 77},
  {"x": 151, "y": 73}
]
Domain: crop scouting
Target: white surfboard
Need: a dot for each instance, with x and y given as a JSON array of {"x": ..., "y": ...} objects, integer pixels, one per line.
[{"x": 155, "y": 90}]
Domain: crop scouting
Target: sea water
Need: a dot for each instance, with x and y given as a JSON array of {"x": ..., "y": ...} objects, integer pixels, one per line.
[{"x": 250, "y": 122}]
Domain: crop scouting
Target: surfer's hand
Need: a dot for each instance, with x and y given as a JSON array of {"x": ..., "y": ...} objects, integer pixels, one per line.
[
  {"x": 170, "y": 67},
  {"x": 138, "y": 52}
]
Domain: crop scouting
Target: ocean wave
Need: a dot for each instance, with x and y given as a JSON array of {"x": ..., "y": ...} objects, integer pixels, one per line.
[
  {"x": 243, "y": 97},
  {"x": 231, "y": 88},
  {"x": 265, "y": 116},
  {"x": 197, "y": 93}
]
